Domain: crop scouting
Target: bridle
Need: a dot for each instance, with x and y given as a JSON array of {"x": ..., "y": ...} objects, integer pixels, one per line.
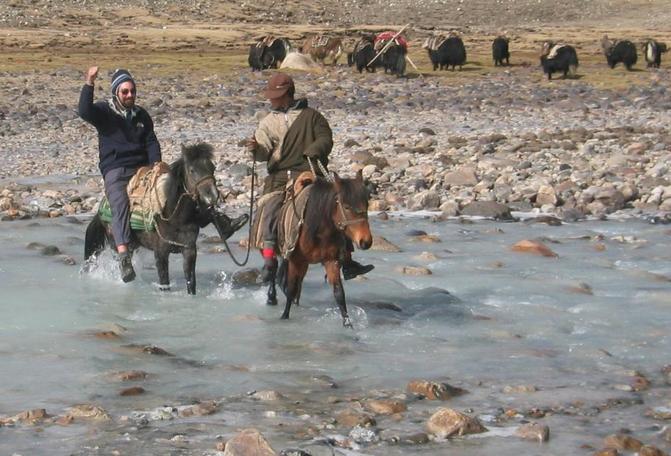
[{"x": 344, "y": 223}]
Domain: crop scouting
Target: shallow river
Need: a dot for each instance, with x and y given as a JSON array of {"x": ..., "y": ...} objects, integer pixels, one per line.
[{"x": 517, "y": 331}]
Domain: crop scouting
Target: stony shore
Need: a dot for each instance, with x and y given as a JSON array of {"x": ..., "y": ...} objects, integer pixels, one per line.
[{"x": 482, "y": 147}]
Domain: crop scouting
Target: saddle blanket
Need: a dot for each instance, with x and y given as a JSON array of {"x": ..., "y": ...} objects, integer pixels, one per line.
[{"x": 147, "y": 193}]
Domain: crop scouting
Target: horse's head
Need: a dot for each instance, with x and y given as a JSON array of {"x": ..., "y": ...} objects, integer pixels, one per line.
[
  {"x": 196, "y": 171},
  {"x": 351, "y": 213}
]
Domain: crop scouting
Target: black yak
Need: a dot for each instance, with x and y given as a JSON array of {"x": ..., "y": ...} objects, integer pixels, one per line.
[
  {"x": 558, "y": 58},
  {"x": 445, "y": 52},
  {"x": 362, "y": 55},
  {"x": 619, "y": 52},
  {"x": 500, "y": 50},
  {"x": 268, "y": 52},
  {"x": 393, "y": 59},
  {"x": 653, "y": 50}
]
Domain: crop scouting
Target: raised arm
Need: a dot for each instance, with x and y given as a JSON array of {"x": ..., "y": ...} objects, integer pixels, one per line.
[{"x": 87, "y": 110}]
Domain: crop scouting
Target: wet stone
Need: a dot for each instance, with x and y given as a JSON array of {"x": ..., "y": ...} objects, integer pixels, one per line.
[
  {"x": 622, "y": 442},
  {"x": 132, "y": 391},
  {"x": 447, "y": 423},
  {"x": 433, "y": 390},
  {"x": 533, "y": 431}
]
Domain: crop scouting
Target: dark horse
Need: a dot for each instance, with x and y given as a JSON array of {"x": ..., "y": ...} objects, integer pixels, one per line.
[
  {"x": 192, "y": 196},
  {"x": 334, "y": 211}
]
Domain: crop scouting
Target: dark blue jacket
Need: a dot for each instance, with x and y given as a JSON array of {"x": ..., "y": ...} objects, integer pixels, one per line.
[{"x": 121, "y": 143}]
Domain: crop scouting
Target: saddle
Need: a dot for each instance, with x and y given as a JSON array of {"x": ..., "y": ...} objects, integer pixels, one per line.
[
  {"x": 292, "y": 213},
  {"x": 147, "y": 194},
  {"x": 320, "y": 41},
  {"x": 266, "y": 41},
  {"x": 290, "y": 216}
]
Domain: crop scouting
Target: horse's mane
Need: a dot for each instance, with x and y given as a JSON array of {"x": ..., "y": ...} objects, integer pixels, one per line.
[
  {"x": 190, "y": 153},
  {"x": 322, "y": 201}
]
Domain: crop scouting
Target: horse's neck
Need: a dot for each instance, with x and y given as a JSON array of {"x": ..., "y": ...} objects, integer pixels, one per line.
[{"x": 178, "y": 201}]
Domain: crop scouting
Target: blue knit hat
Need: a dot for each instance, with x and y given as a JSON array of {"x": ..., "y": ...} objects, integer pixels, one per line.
[{"x": 119, "y": 77}]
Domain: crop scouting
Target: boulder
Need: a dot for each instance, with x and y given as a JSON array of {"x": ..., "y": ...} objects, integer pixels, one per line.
[
  {"x": 386, "y": 406},
  {"x": 489, "y": 209},
  {"x": 433, "y": 390},
  {"x": 248, "y": 442},
  {"x": 622, "y": 442},
  {"x": 381, "y": 244},
  {"x": 298, "y": 61},
  {"x": 533, "y": 431},
  {"x": 535, "y": 247},
  {"x": 447, "y": 423},
  {"x": 352, "y": 418}
]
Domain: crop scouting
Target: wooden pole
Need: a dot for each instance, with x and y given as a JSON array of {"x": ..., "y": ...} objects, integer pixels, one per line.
[
  {"x": 410, "y": 61},
  {"x": 388, "y": 44}
]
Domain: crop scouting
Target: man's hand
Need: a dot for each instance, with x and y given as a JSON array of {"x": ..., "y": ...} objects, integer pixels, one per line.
[
  {"x": 91, "y": 75},
  {"x": 251, "y": 145}
]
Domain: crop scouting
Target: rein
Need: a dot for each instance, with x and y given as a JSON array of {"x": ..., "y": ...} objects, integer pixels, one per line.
[{"x": 250, "y": 222}]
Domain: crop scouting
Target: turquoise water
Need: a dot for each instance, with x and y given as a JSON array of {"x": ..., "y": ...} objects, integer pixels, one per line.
[{"x": 486, "y": 318}]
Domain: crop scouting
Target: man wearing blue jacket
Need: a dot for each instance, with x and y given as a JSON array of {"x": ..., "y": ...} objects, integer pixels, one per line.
[{"x": 126, "y": 142}]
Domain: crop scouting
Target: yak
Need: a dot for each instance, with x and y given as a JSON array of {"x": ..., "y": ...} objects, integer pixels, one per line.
[
  {"x": 558, "y": 58},
  {"x": 362, "y": 55},
  {"x": 619, "y": 52},
  {"x": 445, "y": 52},
  {"x": 652, "y": 51},
  {"x": 268, "y": 52},
  {"x": 500, "y": 50}
]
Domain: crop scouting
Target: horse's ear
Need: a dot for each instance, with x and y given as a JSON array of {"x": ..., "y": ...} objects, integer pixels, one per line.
[{"x": 359, "y": 175}]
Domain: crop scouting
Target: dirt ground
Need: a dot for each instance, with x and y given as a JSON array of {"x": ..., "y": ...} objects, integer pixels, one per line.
[{"x": 205, "y": 37}]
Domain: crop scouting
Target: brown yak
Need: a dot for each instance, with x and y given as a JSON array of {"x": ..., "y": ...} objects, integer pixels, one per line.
[{"x": 321, "y": 47}]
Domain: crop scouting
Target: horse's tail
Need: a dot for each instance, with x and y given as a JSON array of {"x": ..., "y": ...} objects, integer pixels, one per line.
[
  {"x": 95, "y": 237},
  {"x": 281, "y": 276}
]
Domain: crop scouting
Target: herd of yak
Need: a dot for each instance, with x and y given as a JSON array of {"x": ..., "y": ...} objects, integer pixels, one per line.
[{"x": 389, "y": 51}]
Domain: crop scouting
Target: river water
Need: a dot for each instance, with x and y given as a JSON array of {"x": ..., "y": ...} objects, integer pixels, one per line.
[{"x": 564, "y": 335}]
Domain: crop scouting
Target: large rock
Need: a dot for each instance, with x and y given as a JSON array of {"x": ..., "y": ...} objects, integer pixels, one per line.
[
  {"x": 447, "y": 423},
  {"x": 489, "y": 209},
  {"x": 386, "y": 406},
  {"x": 298, "y": 61},
  {"x": 381, "y": 244},
  {"x": 622, "y": 442},
  {"x": 433, "y": 390},
  {"x": 535, "y": 247},
  {"x": 463, "y": 176},
  {"x": 352, "y": 418},
  {"x": 249, "y": 442},
  {"x": 426, "y": 200},
  {"x": 533, "y": 431}
]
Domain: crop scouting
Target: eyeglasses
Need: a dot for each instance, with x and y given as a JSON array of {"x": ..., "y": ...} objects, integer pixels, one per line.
[{"x": 127, "y": 91}]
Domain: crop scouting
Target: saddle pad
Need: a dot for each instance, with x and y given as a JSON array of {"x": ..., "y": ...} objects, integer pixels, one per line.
[
  {"x": 139, "y": 221},
  {"x": 290, "y": 221},
  {"x": 256, "y": 240},
  {"x": 147, "y": 189}
]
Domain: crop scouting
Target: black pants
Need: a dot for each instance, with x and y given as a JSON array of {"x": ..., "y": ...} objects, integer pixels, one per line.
[{"x": 116, "y": 181}]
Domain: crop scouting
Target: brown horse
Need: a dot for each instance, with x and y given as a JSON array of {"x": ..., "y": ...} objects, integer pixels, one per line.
[{"x": 334, "y": 212}]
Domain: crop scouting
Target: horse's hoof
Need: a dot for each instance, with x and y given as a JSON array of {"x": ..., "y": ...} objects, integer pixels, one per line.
[
  {"x": 347, "y": 323},
  {"x": 271, "y": 302},
  {"x": 284, "y": 317},
  {"x": 164, "y": 288}
]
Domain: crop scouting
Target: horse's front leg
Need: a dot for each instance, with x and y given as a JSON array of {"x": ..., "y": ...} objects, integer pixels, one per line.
[
  {"x": 295, "y": 273},
  {"x": 333, "y": 277},
  {"x": 161, "y": 258},
  {"x": 189, "y": 265}
]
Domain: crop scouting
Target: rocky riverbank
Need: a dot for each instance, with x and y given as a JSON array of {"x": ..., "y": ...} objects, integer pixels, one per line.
[{"x": 508, "y": 141}]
